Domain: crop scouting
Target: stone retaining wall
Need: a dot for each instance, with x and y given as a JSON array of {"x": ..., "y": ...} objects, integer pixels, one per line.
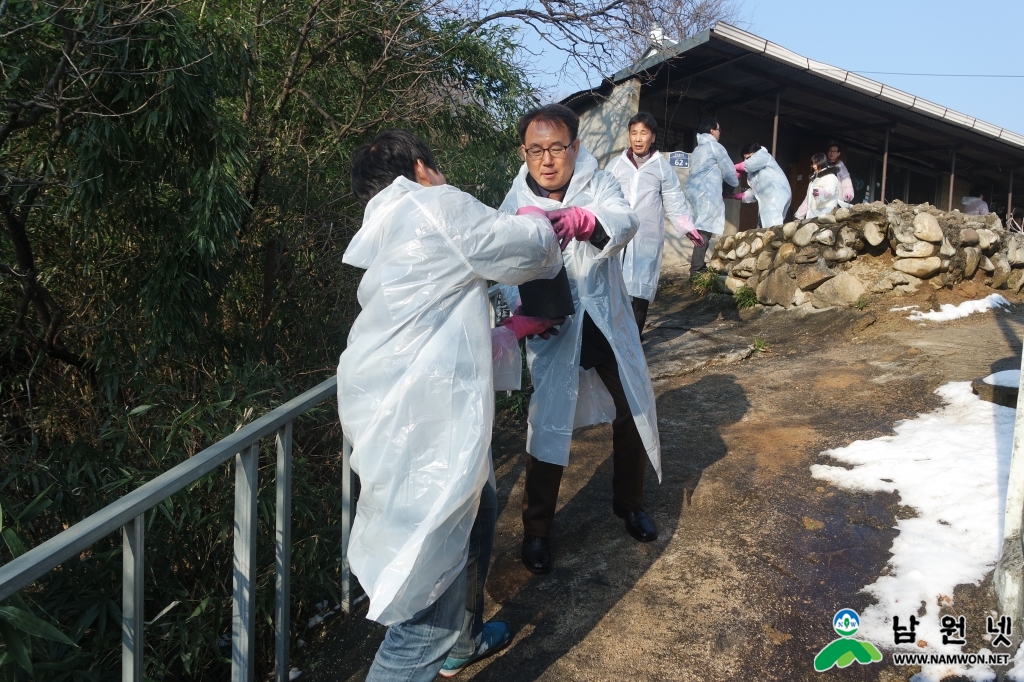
[{"x": 835, "y": 259}]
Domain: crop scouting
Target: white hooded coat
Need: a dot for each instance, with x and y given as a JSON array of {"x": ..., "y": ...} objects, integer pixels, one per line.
[
  {"x": 415, "y": 385},
  {"x": 974, "y": 206},
  {"x": 828, "y": 199},
  {"x": 653, "y": 192},
  {"x": 566, "y": 396},
  {"x": 769, "y": 187},
  {"x": 710, "y": 166}
]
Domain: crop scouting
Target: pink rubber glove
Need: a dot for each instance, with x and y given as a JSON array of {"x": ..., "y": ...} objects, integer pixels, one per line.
[
  {"x": 847, "y": 198},
  {"x": 532, "y": 210},
  {"x": 738, "y": 196},
  {"x": 814, "y": 192},
  {"x": 739, "y": 166},
  {"x": 685, "y": 226},
  {"x": 523, "y": 325},
  {"x": 572, "y": 223}
]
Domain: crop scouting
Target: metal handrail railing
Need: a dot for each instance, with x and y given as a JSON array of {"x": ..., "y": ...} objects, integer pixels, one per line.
[{"x": 128, "y": 513}]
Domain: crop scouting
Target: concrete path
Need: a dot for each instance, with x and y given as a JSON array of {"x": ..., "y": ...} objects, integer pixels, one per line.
[{"x": 755, "y": 556}]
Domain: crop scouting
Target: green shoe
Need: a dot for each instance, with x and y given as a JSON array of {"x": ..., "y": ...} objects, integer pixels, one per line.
[{"x": 494, "y": 637}]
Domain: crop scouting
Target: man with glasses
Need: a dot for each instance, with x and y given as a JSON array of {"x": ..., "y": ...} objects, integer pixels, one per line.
[
  {"x": 710, "y": 166},
  {"x": 594, "y": 371}
]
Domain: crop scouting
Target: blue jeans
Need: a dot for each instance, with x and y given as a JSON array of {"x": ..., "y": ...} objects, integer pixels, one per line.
[
  {"x": 481, "y": 542},
  {"x": 414, "y": 650}
]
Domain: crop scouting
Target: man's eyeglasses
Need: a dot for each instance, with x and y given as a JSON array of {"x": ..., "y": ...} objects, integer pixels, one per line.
[{"x": 556, "y": 150}]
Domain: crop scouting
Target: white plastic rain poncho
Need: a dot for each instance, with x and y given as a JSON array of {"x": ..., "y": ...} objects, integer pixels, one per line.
[
  {"x": 653, "y": 192},
  {"x": 415, "y": 386},
  {"x": 845, "y": 182},
  {"x": 769, "y": 187},
  {"x": 566, "y": 396},
  {"x": 710, "y": 166},
  {"x": 826, "y": 182},
  {"x": 974, "y": 206}
]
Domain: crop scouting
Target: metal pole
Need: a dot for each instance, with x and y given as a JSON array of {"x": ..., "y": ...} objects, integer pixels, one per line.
[
  {"x": 283, "y": 555},
  {"x": 1010, "y": 567},
  {"x": 775, "y": 128},
  {"x": 952, "y": 178},
  {"x": 243, "y": 599},
  {"x": 871, "y": 181},
  {"x": 346, "y": 525},
  {"x": 1009, "y": 200},
  {"x": 885, "y": 164},
  {"x": 132, "y": 596}
]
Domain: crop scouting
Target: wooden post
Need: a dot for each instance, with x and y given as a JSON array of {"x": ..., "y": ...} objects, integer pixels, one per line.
[
  {"x": 1009, "y": 200},
  {"x": 775, "y": 128},
  {"x": 885, "y": 165},
  {"x": 952, "y": 179}
]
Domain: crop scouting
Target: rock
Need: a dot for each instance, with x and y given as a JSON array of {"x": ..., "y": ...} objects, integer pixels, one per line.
[
  {"x": 986, "y": 264},
  {"x": 789, "y": 229},
  {"x": 777, "y": 288},
  {"x": 716, "y": 264},
  {"x": 804, "y": 235},
  {"x": 785, "y": 252},
  {"x": 810, "y": 277},
  {"x": 756, "y": 245},
  {"x": 882, "y": 286},
  {"x": 731, "y": 255},
  {"x": 874, "y": 234},
  {"x": 745, "y": 268},
  {"x": 1001, "y": 273},
  {"x": 972, "y": 255},
  {"x": 742, "y": 249},
  {"x": 826, "y": 237},
  {"x": 840, "y": 255},
  {"x": 843, "y": 289},
  {"x": 754, "y": 280},
  {"x": 987, "y": 239},
  {"x": 1015, "y": 250},
  {"x": 777, "y": 244},
  {"x": 728, "y": 242},
  {"x": 915, "y": 250},
  {"x": 848, "y": 236},
  {"x": 843, "y": 214},
  {"x": 1016, "y": 281},
  {"x": 918, "y": 267},
  {"x": 968, "y": 236},
  {"x": 826, "y": 219},
  {"x": 926, "y": 228},
  {"x": 904, "y": 233},
  {"x": 800, "y": 297},
  {"x": 733, "y": 284},
  {"x": 808, "y": 254},
  {"x": 945, "y": 265},
  {"x": 947, "y": 250},
  {"x": 764, "y": 260}
]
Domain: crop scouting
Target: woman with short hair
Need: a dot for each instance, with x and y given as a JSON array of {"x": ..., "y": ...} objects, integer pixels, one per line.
[{"x": 823, "y": 191}]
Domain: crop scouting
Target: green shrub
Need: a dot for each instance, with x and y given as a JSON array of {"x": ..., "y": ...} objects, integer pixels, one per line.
[
  {"x": 745, "y": 297},
  {"x": 704, "y": 282}
]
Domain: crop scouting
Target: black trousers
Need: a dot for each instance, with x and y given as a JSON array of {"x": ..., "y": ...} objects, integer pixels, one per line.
[
  {"x": 697, "y": 258},
  {"x": 640, "y": 306},
  {"x": 629, "y": 458}
]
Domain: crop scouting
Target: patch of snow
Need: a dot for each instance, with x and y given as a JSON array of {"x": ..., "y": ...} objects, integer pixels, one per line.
[
  {"x": 294, "y": 674},
  {"x": 948, "y": 311},
  {"x": 1009, "y": 378},
  {"x": 314, "y": 621},
  {"x": 956, "y": 536},
  {"x": 900, "y": 310}
]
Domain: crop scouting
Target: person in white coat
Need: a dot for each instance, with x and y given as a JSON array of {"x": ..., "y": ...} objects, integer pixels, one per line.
[
  {"x": 823, "y": 191},
  {"x": 594, "y": 370},
  {"x": 416, "y": 393},
  {"x": 652, "y": 189},
  {"x": 710, "y": 166},
  {"x": 975, "y": 204},
  {"x": 835, "y": 153},
  {"x": 769, "y": 186}
]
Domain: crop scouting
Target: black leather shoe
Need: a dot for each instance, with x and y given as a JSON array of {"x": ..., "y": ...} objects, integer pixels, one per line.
[
  {"x": 536, "y": 554},
  {"x": 638, "y": 524}
]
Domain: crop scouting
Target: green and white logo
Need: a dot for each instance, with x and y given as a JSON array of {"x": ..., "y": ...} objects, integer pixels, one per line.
[{"x": 845, "y": 650}]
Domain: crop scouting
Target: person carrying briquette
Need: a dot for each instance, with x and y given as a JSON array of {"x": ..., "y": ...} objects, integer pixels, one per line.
[
  {"x": 416, "y": 399},
  {"x": 594, "y": 370},
  {"x": 652, "y": 189},
  {"x": 835, "y": 153},
  {"x": 710, "y": 166},
  {"x": 823, "y": 191},
  {"x": 769, "y": 186}
]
